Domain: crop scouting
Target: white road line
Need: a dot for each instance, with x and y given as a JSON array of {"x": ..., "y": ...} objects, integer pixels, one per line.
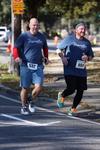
[
  {"x": 10, "y": 99},
  {"x": 62, "y": 114},
  {"x": 29, "y": 122},
  {"x": 14, "y": 123},
  {"x": 58, "y": 113}
]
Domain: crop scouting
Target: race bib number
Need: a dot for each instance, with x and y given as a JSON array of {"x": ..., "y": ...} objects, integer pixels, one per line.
[
  {"x": 80, "y": 64},
  {"x": 32, "y": 66}
]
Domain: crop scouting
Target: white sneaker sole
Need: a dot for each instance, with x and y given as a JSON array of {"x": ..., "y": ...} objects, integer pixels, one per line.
[
  {"x": 31, "y": 109},
  {"x": 24, "y": 113}
]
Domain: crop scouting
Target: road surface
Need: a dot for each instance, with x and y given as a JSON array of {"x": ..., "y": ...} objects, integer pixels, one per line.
[{"x": 45, "y": 129}]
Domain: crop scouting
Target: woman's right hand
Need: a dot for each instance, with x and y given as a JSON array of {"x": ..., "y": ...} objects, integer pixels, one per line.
[{"x": 64, "y": 60}]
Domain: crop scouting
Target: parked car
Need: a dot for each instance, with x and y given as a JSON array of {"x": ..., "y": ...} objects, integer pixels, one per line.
[{"x": 4, "y": 34}]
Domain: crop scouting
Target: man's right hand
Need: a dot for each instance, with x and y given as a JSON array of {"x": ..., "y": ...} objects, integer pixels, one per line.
[{"x": 18, "y": 60}]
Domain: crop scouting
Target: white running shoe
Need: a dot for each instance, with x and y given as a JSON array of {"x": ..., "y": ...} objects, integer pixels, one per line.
[
  {"x": 31, "y": 107},
  {"x": 24, "y": 111}
]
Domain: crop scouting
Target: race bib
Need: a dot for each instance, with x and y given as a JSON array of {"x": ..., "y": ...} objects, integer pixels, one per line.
[
  {"x": 80, "y": 64},
  {"x": 32, "y": 66}
]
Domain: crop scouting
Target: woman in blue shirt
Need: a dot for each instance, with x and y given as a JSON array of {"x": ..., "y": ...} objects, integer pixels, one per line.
[{"x": 75, "y": 50}]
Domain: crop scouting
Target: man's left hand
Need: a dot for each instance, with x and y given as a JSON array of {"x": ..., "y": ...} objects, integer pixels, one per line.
[
  {"x": 46, "y": 61},
  {"x": 85, "y": 57}
]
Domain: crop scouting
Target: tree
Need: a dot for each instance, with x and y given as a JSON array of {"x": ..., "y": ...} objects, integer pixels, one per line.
[
  {"x": 74, "y": 10},
  {"x": 32, "y": 7},
  {"x": 70, "y": 10},
  {"x": 5, "y": 12}
]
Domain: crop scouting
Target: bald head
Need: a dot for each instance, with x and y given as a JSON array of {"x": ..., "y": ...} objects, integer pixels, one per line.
[
  {"x": 34, "y": 25},
  {"x": 34, "y": 20}
]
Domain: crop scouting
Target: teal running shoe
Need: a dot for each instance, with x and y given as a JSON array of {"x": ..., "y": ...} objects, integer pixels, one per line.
[
  {"x": 60, "y": 104},
  {"x": 71, "y": 111}
]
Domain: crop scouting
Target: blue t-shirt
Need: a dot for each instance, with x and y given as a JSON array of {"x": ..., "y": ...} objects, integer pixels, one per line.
[
  {"x": 30, "y": 47},
  {"x": 74, "y": 49}
]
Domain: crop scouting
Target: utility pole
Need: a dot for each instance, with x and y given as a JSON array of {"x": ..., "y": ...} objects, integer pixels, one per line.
[
  {"x": 11, "y": 67},
  {"x": 12, "y": 25},
  {"x": 17, "y": 9},
  {"x": 17, "y": 12}
]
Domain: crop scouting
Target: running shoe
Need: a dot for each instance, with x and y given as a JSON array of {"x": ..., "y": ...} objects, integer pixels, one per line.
[
  {"x": 24, "y": 110},
  {"x": 60, "y": 102},
  {"x": 71, "y": 111},
  {"x": 31, "y": 107}
]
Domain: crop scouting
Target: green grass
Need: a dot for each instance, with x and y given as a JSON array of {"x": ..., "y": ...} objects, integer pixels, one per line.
[{"x": 10, "y": 80}]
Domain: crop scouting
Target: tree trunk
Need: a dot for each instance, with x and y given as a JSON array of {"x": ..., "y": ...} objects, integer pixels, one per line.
[
  {"x": 17, "y": 26},
  {"x": 17, "y": 32}
]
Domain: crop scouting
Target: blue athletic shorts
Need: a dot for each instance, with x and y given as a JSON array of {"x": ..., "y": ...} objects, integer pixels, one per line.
[{"x": 28, "y": 77}]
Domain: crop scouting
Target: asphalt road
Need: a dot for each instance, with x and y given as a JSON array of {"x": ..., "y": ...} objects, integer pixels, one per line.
[{"x": 43, "y": 130}]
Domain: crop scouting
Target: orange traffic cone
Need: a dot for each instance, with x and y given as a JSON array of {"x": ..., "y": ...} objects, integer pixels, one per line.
[
  {"x": 56, "y": 39},
  {"x": 8, "y": 50}
]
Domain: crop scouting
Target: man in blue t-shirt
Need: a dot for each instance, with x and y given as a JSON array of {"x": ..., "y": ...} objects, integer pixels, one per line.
[
  {"x": 30, "y": 49},
  {"x": 75, "y": 50}
]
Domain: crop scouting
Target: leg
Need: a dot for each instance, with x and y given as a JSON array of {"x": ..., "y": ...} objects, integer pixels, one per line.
[
  {"x": 81, "y": 86},
  {"x": 70, "y": 89},
  {"x": 71, "y": 85},
  {"x": 76, "y": 101},
  {"x": 25, "y": 82},
  {"x": 36, "y": 91},
  {"x": 37, "y": 80},
  {"x": 24, "y": 96},
  {"x": 67, "y": 92},
  {"x": 77, "y": 98}
]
